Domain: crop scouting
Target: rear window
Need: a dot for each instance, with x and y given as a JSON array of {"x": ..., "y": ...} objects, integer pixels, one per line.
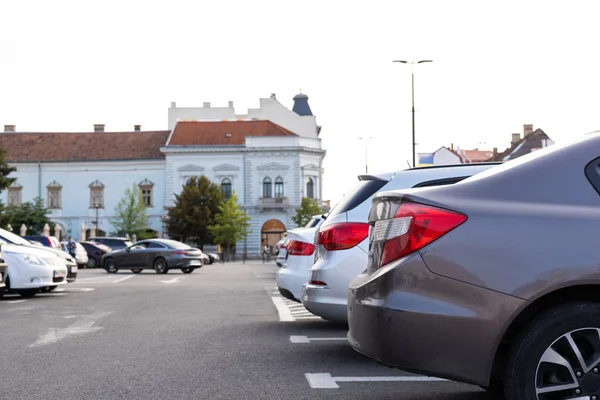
[
  {"x": 361, "y": 192},
  {"x": 312, "y": 223}
]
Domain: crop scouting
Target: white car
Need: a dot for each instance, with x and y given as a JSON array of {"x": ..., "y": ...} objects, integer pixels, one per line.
[
  {"x": 342, "y": 241},
  {"x": 282, "y": 255},
  {"x": 31, "y": 269},
  {"x": 81, "y": 255},
  {"x": 300, "y": 257}
]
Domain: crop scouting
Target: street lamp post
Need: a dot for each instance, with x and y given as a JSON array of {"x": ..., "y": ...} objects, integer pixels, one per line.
[
  {"x": 412, "y": 71},
  {"x": 96, "y": 206},
  {"x": 163, "y": 219},
  {"x": 366, "y": 139}
]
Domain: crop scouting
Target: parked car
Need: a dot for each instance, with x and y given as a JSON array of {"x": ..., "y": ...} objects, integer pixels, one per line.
[
  {"x": 158, "y": 254},
  {"x": 295, "y": 272},
  {"x": 3, "y": 267},
  {"x": 493, "y": 281},
  {"x": 94, "y": 251},
  {"x": 81, "y": 256},
  {"x": 211, "y": 258},
  {"x": 281, "y": 251},
  {"x": 282, "y": 245},
  {"x": 30, "y": 269},
  {"x": 115, "y": 243},
  {"x": 49, "y": 241},
  {"x": 70, "y": 262},
  {"x": 342, "y": 243}
]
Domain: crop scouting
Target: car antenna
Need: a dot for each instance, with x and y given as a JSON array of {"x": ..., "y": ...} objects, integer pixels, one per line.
[{"x": 408, "y": 164}]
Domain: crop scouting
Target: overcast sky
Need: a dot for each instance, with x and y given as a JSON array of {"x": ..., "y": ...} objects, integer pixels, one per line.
[{"x": 66, "y": 65}]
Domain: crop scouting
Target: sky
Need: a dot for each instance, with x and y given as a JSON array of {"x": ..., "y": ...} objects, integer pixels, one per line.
[{"x": 66, "y": 65}]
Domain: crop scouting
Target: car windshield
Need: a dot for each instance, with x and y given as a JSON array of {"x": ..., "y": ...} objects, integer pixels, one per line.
[{"x": 12, "y": 238}]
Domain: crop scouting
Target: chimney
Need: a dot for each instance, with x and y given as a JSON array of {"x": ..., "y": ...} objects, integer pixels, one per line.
[
  {"x": 527, "y": 129},
  {"x": 137, "y": 128},
  {"x": 495, "y": 151},
  {"x": 9, "y": 128},
  {"x": 231, "y": 104},
  {"x": 98, "y": 127},
  {"x": 173, "y": 104},
  {"x": 516, "y": 137},
  {"x": 273, "y": 96},
  {"x": 206, "y": 104}
]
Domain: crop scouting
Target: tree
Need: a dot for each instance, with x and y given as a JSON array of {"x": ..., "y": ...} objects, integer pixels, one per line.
[
  {"x": 31, "y": 213},
  {"x": 131, "y": 214},
  {"x": 231, "y": 223},
  {"x": 308, "y": 208},
  {"x": 194, "y": 211},
  {"x": 5, "y": 182}
]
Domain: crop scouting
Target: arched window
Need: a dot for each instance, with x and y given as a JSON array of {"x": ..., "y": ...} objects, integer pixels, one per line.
[
  {"x": 267, "y": 187},
  {"x": 279, "y": 187},
  {"x": 310, "y": 188},
  {"x": 226, "y": 188}
]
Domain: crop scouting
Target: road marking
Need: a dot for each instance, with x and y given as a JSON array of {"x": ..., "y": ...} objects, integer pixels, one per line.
[
  {"x": 82, "y": 289},
  {"x": 89, "y": 279},
  {"x": 124, "y": 278},
  {"x": 174, "y": 280},
  {"x": 85, "y": 325},
  {"x": 306, "y": 339},
  {"x": 282, "y": 309},
  {"x": 52, "y": 294},
  {"x": 326, "y": 381},
  {"x": 16, "y": 301}
]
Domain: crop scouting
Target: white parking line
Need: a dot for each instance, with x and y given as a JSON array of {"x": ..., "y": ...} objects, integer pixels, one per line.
[
  {"x": 174, "y": 280},
  {"x": 306, "y": 339},
  {"x": 282, "y": 309},
  {"x": 124, "y": 278},
  {"x": 326, "y": 381},
  {"x": 85, "y": 325},
  {"x": 80, "y": 289},
  {"x": 16, "y": 301}
]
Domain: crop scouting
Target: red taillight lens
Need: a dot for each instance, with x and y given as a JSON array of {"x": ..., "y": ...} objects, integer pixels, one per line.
[
  {"x": 343, "y": 236},
  {"x": 297, "y": 248},
  {"x": 181, "y": 252},
  {"x": 414, "y": 226}
]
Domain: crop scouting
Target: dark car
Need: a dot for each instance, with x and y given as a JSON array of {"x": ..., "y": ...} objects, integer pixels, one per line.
[
  {"x": 47, "y": 241},
  {"x": 95, "y": 251},
  {"x": 493, "y": 281},
  {"x": 158, "y": 254},
  {"x": 115, "y": 243}
]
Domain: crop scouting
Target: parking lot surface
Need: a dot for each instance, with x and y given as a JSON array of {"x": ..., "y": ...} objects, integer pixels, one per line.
[{"x": 222, "y": 332}]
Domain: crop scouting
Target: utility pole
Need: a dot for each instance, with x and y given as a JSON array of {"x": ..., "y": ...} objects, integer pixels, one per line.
[
  {"x": 366, "y": 139},
  {"x": 412, "y": 71}
]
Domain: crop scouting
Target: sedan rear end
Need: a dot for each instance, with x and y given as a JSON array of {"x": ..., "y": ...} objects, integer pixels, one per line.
[{"x": 295, "y": 271}]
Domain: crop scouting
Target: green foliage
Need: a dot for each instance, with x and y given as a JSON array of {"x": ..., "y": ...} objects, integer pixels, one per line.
[
  {"x": 32, "y": 213},
  {"x": 231, "y": 223},
  {"x": 194, "y": 211},
  {"x": 131, "y": 214},
  {"x": 308, "y": 208}
]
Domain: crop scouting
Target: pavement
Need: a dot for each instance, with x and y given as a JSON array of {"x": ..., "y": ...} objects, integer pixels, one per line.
[{"x": 222, "y": 332}]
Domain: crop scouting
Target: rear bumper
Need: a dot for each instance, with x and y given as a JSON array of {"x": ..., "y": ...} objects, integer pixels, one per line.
[
  {"x": 407, "y": 317},
  {"x": 190, "y": 263}
]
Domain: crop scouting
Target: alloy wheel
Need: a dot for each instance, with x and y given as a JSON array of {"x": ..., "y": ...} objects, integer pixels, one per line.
[{"x": 569, "y": 368}]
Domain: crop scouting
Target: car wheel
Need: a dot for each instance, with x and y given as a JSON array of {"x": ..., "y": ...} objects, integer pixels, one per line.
[
  {"x": 136, "y": 271},
  {"x": 188, "y": 270},
  {"x": 27, "y": 292},
  {"x": 110, "y": 266},
  {"x": 160, "y": 266},
  {"x": 92, "y": 263},
  {"x": 557, "y": 356}
]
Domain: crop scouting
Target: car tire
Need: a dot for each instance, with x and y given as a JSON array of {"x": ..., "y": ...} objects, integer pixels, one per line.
[
  {"x": 188, "y": 270},
  {"x": 110, "y": 266},
  {"x": 27, "y": 292},
  {"x": 92, "y": 263},
  {"x": 136, "y": 271},
  {"x": 160, "y": 266},
  {"x": 551, "y": 328}
]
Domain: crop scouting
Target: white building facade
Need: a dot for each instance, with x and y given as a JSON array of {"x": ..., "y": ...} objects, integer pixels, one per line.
[{"x": 270, "y": 157}]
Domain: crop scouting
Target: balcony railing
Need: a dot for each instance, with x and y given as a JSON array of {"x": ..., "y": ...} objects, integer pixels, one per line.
[{"x": 273, "y": 202}]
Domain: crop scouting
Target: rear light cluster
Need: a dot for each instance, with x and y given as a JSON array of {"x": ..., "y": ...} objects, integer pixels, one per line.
[
  {"x": 181, "y": 252},
  {"x": 413, "y": 227},
  {"x": 297, "y": 248},
  {"x": 343, "y": 236}
]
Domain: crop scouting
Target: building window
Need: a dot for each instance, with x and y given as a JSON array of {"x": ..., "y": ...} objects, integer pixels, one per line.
[
  {"x": 54, "y": 195},
  {"x": 15, "y": 195},
  {"x": 96, "y": 194},
  {"x": 279, "y": 187},
  {"x": 267, "y": 188},
  {"x": 146, "y": 187},
  {"x": 226, "y": 188},
  {"x": 310, "y": 188}
]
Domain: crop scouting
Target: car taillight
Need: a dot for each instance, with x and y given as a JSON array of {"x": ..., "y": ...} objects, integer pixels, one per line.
[
  {"x": 185, "y": 253},
  {"x": 343, "y": 236},
  {"x": 413, "y": 227},
  {"x": 297, "y": 248}
]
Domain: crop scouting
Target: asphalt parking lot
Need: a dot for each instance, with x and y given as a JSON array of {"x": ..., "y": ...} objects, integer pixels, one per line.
[{"x": 222, "y": 332}]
